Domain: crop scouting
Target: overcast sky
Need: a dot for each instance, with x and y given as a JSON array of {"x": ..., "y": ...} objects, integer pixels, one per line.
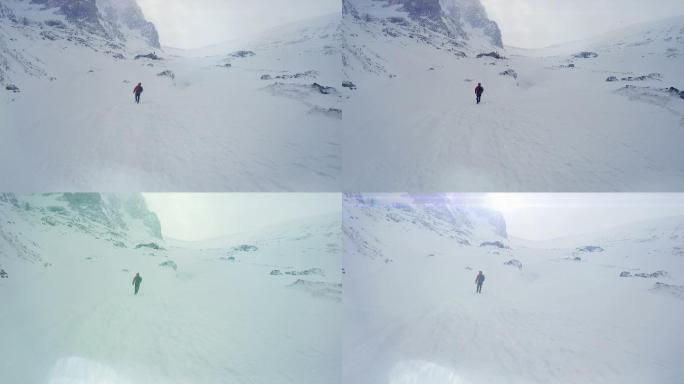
[
  {"x": 198, "y": 23},
  {"x": 209, "y": 215},
  {"x": 550, "y": 216},
  {"x": 540, "y": 23}
]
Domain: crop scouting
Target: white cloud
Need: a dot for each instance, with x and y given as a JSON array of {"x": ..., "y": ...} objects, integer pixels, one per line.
[
  {"x": 199, "y": 216},
  {"x": 540, "y": 23},
  {"x": 552, "y": 215},
  {"x": 198, "y": 23}
]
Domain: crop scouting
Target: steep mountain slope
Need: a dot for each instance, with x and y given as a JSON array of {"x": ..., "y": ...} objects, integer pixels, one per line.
[
  {"x": 258, "y": 114},
  {"x": 593, "y": 115},
  {"x": 603, "y": 308},
  {"x": 259, "y": 307}
]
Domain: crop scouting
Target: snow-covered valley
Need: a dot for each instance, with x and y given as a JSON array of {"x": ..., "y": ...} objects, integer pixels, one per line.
[
  {"x": 601, "y": 308},
  {"x": 596, "y": 115},
  {"x": 259, "y": 114},
  {"x": 259, "y": 307}
]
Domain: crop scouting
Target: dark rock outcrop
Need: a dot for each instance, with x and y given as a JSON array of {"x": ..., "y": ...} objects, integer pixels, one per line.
[
  {"x": 590, "y": 249},
  {"x": 154, "y": 246},
  {"x": 151, "y": 56},
  {"x": 348, "y": 84},
  {"x": 494, "y": 55},
  {"x": 585, "y": 55},
  {"x": 514, "y": 263},
  {"x": 496, "y": 244}
]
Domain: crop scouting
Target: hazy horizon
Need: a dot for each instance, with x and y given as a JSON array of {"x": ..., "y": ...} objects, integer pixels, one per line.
[
  {"x": 541, "y": 23},
  {"x": 205, "y": 216},
  {"x": 549, "y": 216},
  {"x": 200, "y": 23}
]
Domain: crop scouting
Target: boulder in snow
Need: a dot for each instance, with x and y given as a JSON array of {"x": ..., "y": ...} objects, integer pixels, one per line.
[
  {"x": 266, "y": 77},
  {"x": 676, "y": 92},
  {"x": 653, "y": 275},
  {"x": 167, "y": 73},
  {"x": 590, "y": 249},
  {"x": 238, "y": 54},
  {"x": 509, "y": 72},
  {"x": 494, "y": 55},
  {"x": 324, "y": 89},
  {"x": 169, "y": 264},
  {"x": 151, "y": 246},
  {"x": 3, "y": 274},
  {"x": 12, "y": 88},
  {"x": 585, "y": 55},
  {"x": 151, "y": 56},
  {"x": 514, "y": 263},
  {"x": 348, "y": 84},
  {"x": 497, "y": 244},
  {"x": 244, "y": 248}
]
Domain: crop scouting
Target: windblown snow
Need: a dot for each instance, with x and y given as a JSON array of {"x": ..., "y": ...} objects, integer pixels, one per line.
[
  {"x": 603, "y": 308},
  {"x": 207, "y": 312},
  {"x": 602, "y": 115},
  {"x": 257, "y": 114}
]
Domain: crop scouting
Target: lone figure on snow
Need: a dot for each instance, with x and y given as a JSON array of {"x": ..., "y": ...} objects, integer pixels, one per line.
[
  {"x": 478, "y": 92},
  {"x": 137, "y": 91},
  {"x": 136, "y": 281},
  {"x": 479, "y": 280}
]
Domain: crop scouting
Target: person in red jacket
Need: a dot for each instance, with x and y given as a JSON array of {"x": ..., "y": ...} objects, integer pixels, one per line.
[
  {"x": 137, "y": 91},
  {"x": 478, "y": 92}
]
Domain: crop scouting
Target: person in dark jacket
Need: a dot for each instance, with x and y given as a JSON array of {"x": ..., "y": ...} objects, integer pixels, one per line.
[
  {"x": 479, "y": 280},
  {"x": 478, "y": 92},
  {"x": 137, "y": 91},
  {"x": 136, "y": 281}
]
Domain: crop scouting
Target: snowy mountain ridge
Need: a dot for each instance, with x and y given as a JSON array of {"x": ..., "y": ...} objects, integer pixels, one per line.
[
  {"x": 122, "y": 221},
  {"x": 443, "y": 217},
  {"x": 116, "y": 28},
  {"x": 456, "y": 19}
]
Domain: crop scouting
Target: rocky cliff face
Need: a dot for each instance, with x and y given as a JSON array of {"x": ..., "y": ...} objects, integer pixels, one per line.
[
  {"x": 127, "y": 14},
  {"x": 115, "y": 19},
  {"x": 122, "y": 220},
  {"x": 456, "y": 19}
]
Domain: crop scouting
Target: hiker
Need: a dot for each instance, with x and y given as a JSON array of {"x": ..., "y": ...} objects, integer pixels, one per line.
[
  {"x": 136, "y": 281},
  {"x": 137, "y": 91},
  {"x": 478, "y": 92},
  {"x": 479, "y": 280}
]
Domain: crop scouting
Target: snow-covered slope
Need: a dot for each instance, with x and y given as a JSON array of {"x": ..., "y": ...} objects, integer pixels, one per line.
[
  {"x": 258, "y": 114},
  {"x": 549, "y": 121},
  {"x": 604, "y": 308},
  {"x": 261, "y": 307}
]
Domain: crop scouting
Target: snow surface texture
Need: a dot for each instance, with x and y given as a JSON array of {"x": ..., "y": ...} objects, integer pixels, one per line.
[
  {"x": 549, "y": 120},
  {"x": 209, "y": 119},
  {"x": 549, "y": 312},
  {"x": 207, "y": 312}
]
